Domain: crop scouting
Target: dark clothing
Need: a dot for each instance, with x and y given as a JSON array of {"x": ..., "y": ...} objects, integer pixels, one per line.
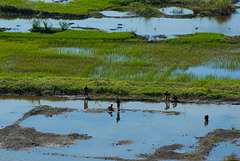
[
  {"x": 118, "y": 104},
  {"x": 86, "y": 91},
  {"x": 110, "y": 108},
  {"x": 174, "y": 97},
  {"x": 206, "y": 118}
]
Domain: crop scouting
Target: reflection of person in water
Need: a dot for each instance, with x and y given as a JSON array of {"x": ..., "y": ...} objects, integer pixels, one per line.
[
  {"x": 118, "y": 116},
  {"x": 167, "y": 105},
  {"x": 85, "y": 104},
  {"x": 118, "y": 104},
  {"x": 206, "y": 120},
  {"x": 174, "y": 104},
  {"x": 110, "y": 113}
]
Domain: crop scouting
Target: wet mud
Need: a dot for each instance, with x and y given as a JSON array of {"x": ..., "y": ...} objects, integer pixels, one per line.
[
  {"x": 47, "y": 111},
  {"x": 124, "y": 142},
  {"x": 180, "y": 100},
  {"x": 167, "y": 152},
  {"x": 18, "y": 138},
  {"x": 104, "y": 110},
  {"x": 207, "y": 143}
]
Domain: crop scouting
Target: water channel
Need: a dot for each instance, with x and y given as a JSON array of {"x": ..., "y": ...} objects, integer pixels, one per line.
[
  {"x": 148, "y": 131},
  {"x": 150, "y": 27}
]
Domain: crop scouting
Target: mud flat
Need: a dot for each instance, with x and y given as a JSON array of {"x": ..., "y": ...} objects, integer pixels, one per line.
[
  {"x": 167, "y": 152},
  {"x": 103, "y": 110},
  {"x": 18, "y": 138},
  {"x": 47, "y": 111}
]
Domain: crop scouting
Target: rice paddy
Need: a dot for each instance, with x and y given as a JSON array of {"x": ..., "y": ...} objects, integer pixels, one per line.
[{"x": 86, "y": 56}]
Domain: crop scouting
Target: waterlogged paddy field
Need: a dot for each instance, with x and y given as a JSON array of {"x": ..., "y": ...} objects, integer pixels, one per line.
[
  {"x": 213, "y": 68},
  {"x": 147, "y": 130}
]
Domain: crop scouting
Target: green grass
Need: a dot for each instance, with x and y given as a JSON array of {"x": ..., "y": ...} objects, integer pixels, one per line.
[
  {"x": 191, "y": 155},
  {"x": 76, "y": 7},
  {"x": 217, "y": 140},
  {"x": 119, "y": 64},
  {"x": 143, "y": 8}
]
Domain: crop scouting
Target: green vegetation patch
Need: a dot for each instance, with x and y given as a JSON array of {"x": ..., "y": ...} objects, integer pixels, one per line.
[
  {"x": 192, "y": 155},
  {"x": 133, "y": 66},
  {"x": 217, "y": 140}
]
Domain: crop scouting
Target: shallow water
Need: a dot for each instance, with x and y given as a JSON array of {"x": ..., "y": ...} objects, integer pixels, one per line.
[
  {"x": 202, "y": 71},
  {"x": 117, "y": 14},
  {"x": 146, "y": 130},
  {"x": 176, "y": 11},
  {"x": 170, "y": 27}
]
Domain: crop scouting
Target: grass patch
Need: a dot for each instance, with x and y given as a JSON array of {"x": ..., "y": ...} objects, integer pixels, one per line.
[
  {"x": 118, "y": 64},
  {"x": 217, "y": 140},
  {"x": 191, "y": 155}
]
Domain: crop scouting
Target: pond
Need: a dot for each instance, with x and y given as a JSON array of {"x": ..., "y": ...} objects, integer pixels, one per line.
[
  {"x": 150, "y": 27},
  {"x": 146, "y": 130},
  {"x": 176, "y": 11}
]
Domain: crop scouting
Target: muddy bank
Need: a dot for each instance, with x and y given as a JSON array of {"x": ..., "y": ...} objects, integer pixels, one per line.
[
  {"x": 154, "y": 99},
  {"x": 167, "y": 152},
  {"x": 18, "y": 138},
  {"x": 207, "y": 143},
  {"x": 47, "y": 111},
  {"x": 104, "y": 110}
]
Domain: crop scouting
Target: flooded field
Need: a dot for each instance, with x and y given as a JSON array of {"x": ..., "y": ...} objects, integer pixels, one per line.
[
  {"x": 150, "y": 27},
  {"x": 215, "y": 69},
  {"x": 143, "y": 126}
]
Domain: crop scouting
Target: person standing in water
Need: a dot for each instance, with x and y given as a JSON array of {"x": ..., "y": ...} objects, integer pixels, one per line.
[
  {"x": 86, "y": 91},
  {"x": 167, "y": 96},
  {"x": 118, "y": 104}
]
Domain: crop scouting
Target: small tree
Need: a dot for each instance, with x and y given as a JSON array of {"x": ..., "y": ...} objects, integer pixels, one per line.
[
  {"x": 46, "y": 24},
  {"x": 35, "y": 23},
  {"x": 64, "y": 25}
]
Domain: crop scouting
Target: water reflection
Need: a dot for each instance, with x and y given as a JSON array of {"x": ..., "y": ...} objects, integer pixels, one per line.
[
  {"x": 85, "y": 104},
  {"x": 168, "y": 104},
  {"x": 118, "y": 116},
  {"x": 143, "y": 26},
  {"x": 136, "y": 119},
  {"x": 175, "y": 11},
  {"x": 220, "y": 19}
]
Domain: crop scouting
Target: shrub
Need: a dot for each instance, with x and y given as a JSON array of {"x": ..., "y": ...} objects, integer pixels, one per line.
[
  {"x": 224, "y": 7},
  {"x": 143, "y": 9},
  {"x": 196, "y": 9},
  {"x": 63, "y": 25},
  {"x": 35, "y": 24}
]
